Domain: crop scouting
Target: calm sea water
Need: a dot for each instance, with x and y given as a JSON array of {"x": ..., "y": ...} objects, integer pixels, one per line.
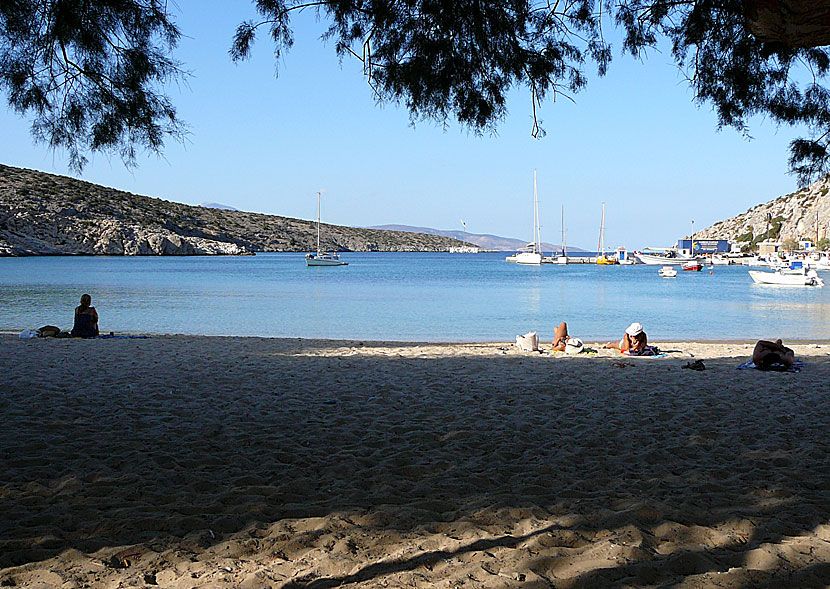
[{"x": 403, "y": 296}]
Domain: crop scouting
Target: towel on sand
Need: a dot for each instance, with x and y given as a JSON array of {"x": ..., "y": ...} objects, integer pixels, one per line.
[{"x": 750, "y": 365}]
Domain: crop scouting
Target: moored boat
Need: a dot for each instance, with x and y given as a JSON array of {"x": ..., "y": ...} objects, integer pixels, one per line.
[
  {"x": 321, "y": 258},
  {"x": 669, "y": 258},
  {"x": 667, "y": 272},
  {"x": 602, "y": 259},
  {"x": 324, "y": 259},
  {"x": 692, "y": 266},
  {"x": 786, "y": 277},
  {"x": 531, "y": 254}
]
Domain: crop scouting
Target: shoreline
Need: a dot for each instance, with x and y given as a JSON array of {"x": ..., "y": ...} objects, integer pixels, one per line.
[
  {"x": 189, "y": 461},
  {"x": 544, "y": 343}
]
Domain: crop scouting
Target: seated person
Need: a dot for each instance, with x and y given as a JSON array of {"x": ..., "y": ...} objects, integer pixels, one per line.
[
  {"x": 633, "y": 340},
  {"x": 86, "y": 319},
  {"x": 768, "y": 353},
  {"x": 560, "y": 337}
]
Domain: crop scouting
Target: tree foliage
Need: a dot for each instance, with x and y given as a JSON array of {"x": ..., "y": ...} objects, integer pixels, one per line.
[{"x": 88, "y": 70}]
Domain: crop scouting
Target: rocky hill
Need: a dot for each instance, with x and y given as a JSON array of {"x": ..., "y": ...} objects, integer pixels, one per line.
[
  {"x": 792, "y": 216},
  {"x": 45, "y": 214}
]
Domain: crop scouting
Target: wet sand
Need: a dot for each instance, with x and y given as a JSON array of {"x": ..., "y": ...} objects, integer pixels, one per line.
[{"x": 180, "y": 461}]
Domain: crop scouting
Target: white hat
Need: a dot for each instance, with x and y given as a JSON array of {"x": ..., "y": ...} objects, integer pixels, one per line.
[
  {"x": 573, "y": 345},
  {"x": 634, "y": 329}
]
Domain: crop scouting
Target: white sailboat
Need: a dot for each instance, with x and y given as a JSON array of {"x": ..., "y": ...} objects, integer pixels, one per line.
[
  {"x": 532, "y": 253},
  {"x": 602, "y": 259},
  {"x": 322, "y": 258},
  {"x": 563, "y": 258}
]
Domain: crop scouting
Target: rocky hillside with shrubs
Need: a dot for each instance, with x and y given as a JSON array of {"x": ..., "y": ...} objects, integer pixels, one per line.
[
  {"x": 45, "y": 214},
  {"x": 788, "y": 218}
]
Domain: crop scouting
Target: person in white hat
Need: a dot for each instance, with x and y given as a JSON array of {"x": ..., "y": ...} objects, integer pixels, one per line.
[{"x": 634, "y": 339}]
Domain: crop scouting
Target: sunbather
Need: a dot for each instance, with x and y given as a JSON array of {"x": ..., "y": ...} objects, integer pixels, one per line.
[
  {"x": 560, "y": 337},
  {"x": 633, "y": 340},
  {"x": 86, "y": 319},
  {"x": 767, "y": 353}
]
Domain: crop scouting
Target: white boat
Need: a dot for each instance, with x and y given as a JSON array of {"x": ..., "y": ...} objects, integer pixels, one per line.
[
  {"x": 602, "y": 259},
  {"x": 622, "y": 256},
  {"x": 719, "y": 260},
  {"x": 785, "y": 277},
  {"x": 563, "y": 257},
  {"x": 817, "y": 262},
  {"x": 667, "y": 272},
  {"x": 531, "y": 254},
  {"x": 323, "y": 258},
  {"x": 670, "y": 258}
]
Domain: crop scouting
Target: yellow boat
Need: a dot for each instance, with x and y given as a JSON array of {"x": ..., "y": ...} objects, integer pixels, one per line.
[{"x": 602, "y": 259}]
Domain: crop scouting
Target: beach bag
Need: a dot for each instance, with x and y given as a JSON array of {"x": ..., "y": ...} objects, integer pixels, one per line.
[
  {"x": 574, "y": 345},
  {"x": 27, "y": 333},
  {"x": 528, "y": 342},
  {"x": 48, "y": 331}
]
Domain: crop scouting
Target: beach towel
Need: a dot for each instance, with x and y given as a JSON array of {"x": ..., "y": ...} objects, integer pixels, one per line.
[
  {"x": 750, "y": 365},
  {"x": 646, "y": 351},
  {"x": 111, "y": 336}
]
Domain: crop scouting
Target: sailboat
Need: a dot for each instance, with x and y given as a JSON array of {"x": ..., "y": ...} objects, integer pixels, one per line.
[
  {"x": 563, "y": 257},
  {"x": 322, "y": 258},
  {"x": 602, "y": 259},
  {"x": 532, "y": 252}
]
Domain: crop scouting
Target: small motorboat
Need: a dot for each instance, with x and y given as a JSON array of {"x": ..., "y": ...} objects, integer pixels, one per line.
[
  {"x": 692, "y": 266},
  {"x": 785, "y": 277},
  {"x": 667, "y": 272}
]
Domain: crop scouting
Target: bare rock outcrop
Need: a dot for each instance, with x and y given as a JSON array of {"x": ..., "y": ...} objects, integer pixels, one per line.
[
  {"x": 801, "y": 214},
  {"x": 45, "y": 214}
]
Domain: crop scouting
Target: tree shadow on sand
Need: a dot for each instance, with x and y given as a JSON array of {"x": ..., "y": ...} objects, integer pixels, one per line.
[{"x": 497, "y": 469}]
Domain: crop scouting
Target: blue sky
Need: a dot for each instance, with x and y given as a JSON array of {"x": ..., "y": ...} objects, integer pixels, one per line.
[{"x": 632, "y": 139}]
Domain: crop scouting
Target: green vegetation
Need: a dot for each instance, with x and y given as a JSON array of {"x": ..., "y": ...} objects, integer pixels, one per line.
[
  {"x": 790, "y": 244},
  {"x": 746, "y": 236},
  {"x": 773, "y": 233},
  {"x": 92, "y": 75},
  {"x": 823, "y": 244}
]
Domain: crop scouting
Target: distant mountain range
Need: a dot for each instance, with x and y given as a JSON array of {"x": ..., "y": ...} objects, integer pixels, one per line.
[
  {"x": 483, "y": 240},
  {"x": 217, "y": 205}
]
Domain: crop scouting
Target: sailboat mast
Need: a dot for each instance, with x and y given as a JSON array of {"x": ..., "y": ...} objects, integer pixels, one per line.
[
  {"x": 318, "y": 222},
  {"x": 537, "y": 238},
  {"x": 601, "y": 244},
  {"x": 564, "y": 251}
]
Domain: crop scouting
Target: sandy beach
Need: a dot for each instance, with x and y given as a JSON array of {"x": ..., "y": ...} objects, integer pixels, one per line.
[{"x": 183, "y": 461}]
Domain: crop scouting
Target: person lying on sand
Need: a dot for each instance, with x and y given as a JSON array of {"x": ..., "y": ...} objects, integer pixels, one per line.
[
  {"x": 633, "y": 340},
  {"x": 86, "y": 319},
  {"x": 560, "y": 337},
  {"x": 767, "y": 353}
]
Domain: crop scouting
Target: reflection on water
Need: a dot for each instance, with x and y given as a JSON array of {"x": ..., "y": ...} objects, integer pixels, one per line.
[{"x": 411, "y": 297}]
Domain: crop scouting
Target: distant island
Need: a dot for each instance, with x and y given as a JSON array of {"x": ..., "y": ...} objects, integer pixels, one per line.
[
  {"x": 483, "y": 240},
  {"x": 47, "y": 214}
]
